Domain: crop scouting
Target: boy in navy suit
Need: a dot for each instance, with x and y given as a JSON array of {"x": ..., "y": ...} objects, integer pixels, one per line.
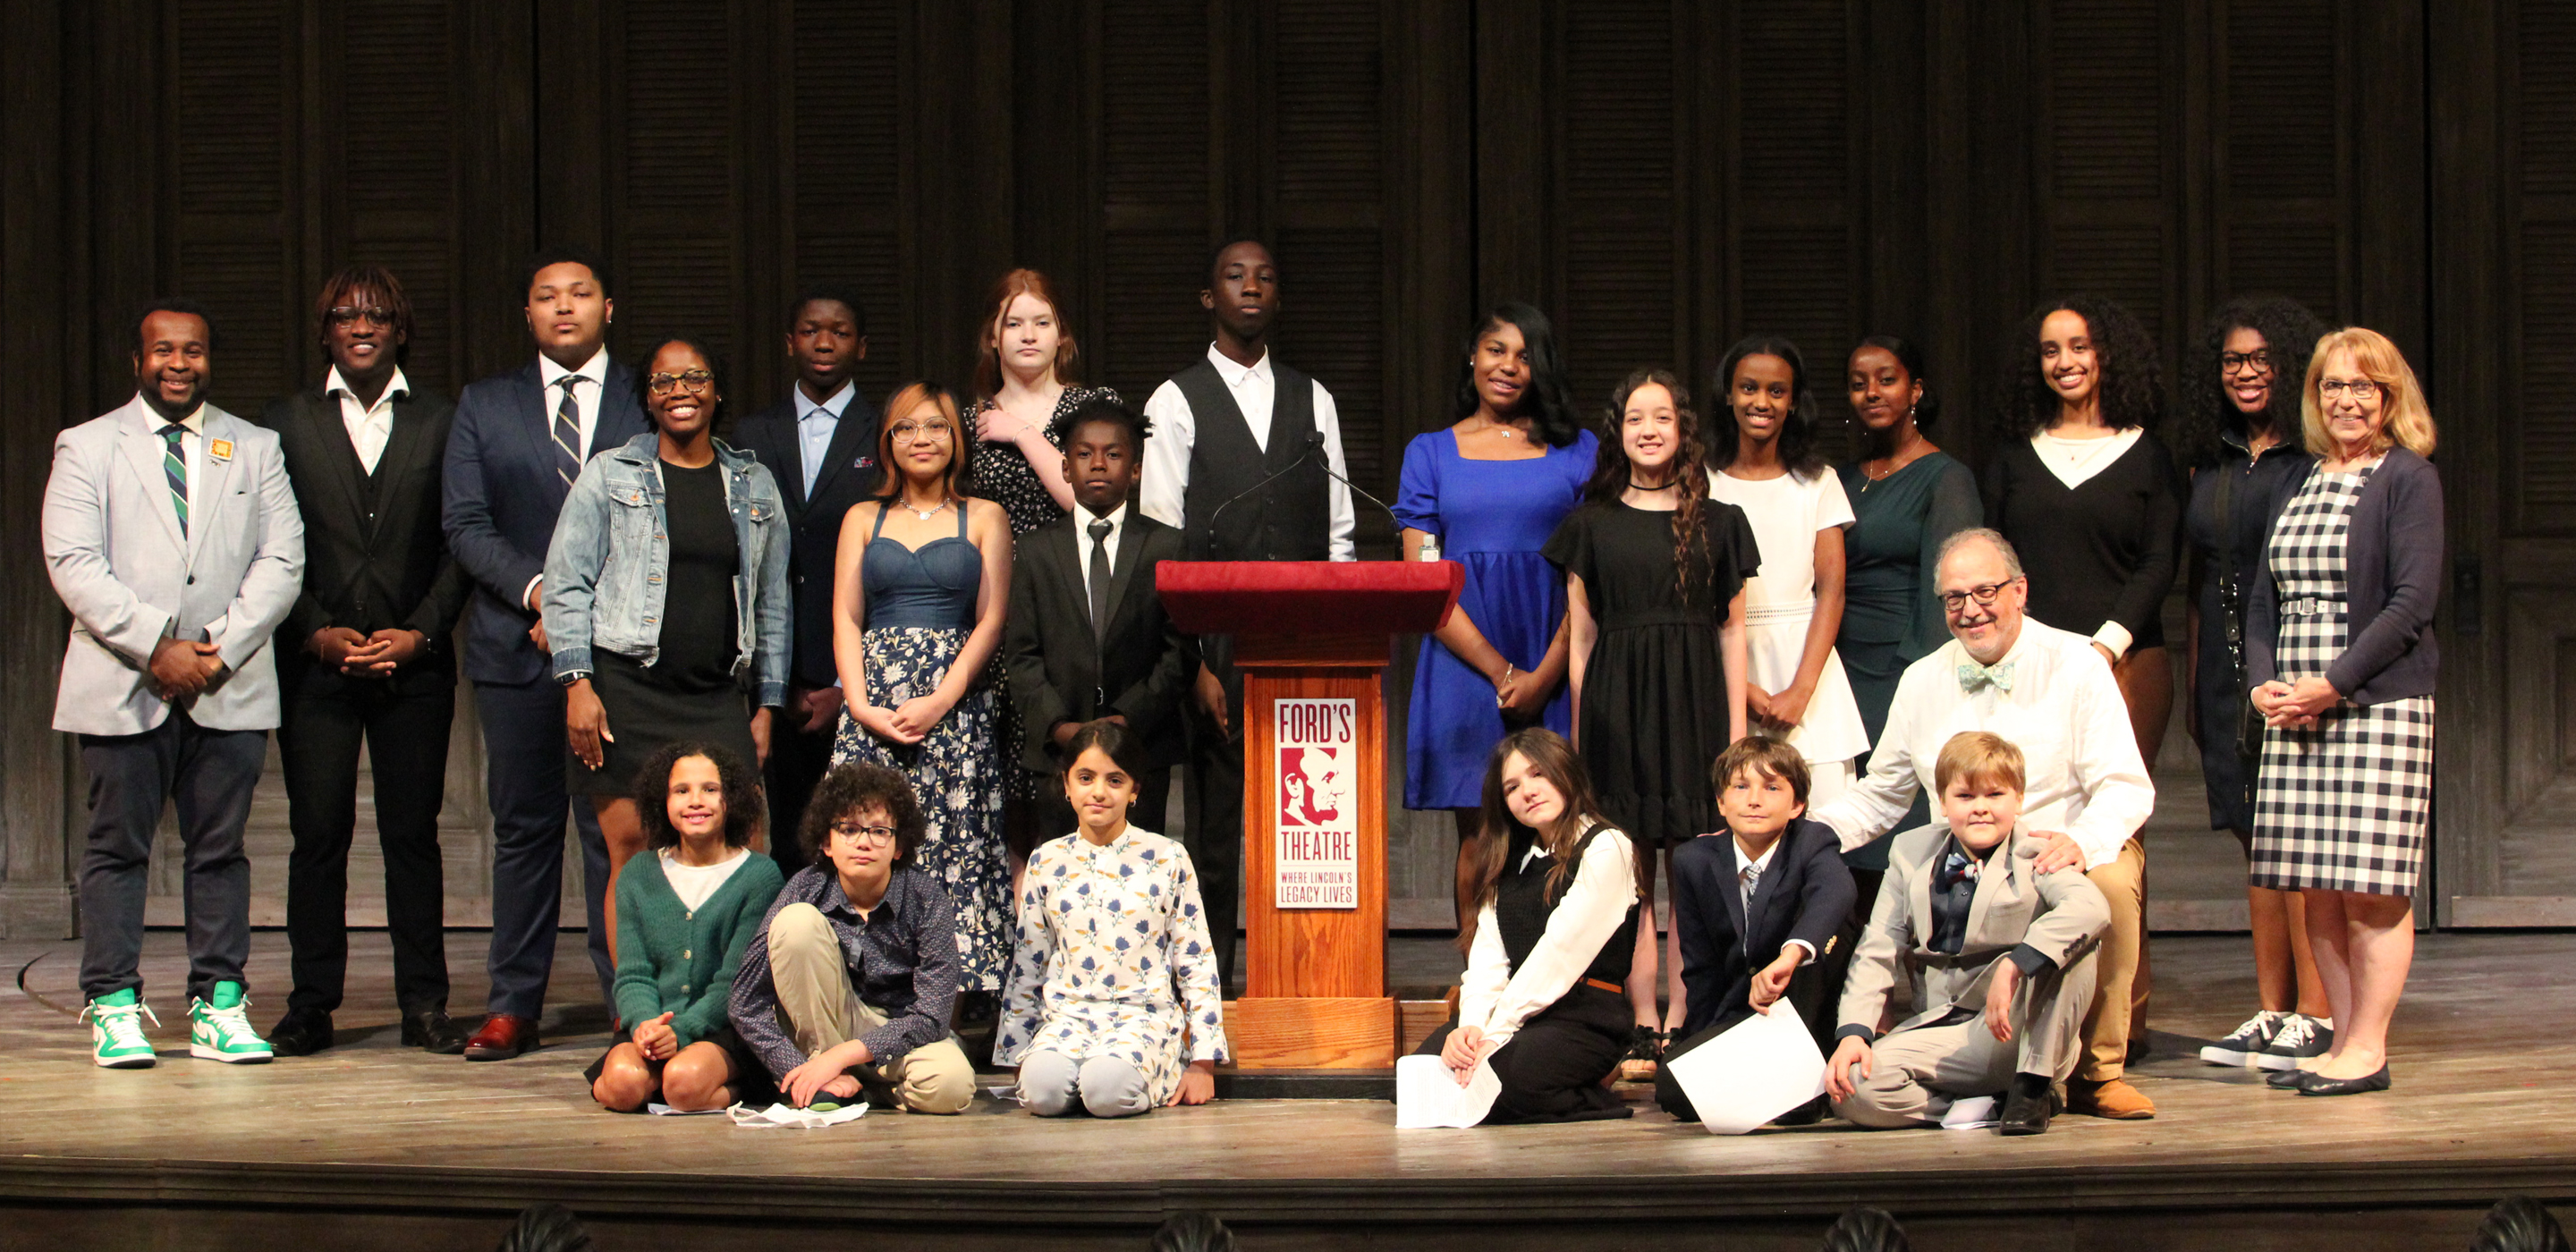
[{"x": 1753, "y": 906}]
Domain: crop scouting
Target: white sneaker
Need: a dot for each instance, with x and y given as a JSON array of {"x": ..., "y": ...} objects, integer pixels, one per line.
[
  {"x": 2243, "y": 1044},
  {"x": 116, "y": 1031}
]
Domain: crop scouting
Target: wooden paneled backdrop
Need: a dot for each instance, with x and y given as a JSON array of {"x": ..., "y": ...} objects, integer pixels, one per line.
[{"x": 1661, "y": 176}]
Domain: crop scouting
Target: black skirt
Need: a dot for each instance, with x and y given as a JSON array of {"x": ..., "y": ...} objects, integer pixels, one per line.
[
  {"x": 752, "y": 1084},
  {"x": 649, "y": 708}
]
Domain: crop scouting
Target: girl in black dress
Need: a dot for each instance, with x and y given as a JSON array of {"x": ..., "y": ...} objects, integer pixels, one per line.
[
  {"x": 666, "y": 598},
  {"x": 1654, "y": 574}
]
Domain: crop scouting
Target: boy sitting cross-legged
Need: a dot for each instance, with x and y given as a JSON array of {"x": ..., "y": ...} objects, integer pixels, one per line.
[{"x": 2003, "y": 954}]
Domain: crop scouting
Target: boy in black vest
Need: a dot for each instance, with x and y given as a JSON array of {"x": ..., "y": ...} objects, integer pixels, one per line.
[{"x": 1237, "y": 462}]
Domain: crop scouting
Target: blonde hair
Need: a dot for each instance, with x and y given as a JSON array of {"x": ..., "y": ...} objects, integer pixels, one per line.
[
  {"x": 1979, "y": 756},
  {"x": 2408, "y": 421}
]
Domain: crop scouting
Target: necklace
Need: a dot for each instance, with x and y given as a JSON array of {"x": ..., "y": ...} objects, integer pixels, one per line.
[
  {"x": 1634, "y": 485},
  {"x": 1504, "y": 429},
  {"x": 924, "y": 514}
]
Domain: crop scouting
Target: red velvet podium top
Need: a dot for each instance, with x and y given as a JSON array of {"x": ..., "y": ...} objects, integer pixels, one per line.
[{"x": 1381, "y": 598}]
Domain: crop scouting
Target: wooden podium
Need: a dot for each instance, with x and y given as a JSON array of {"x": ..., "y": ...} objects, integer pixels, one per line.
[{"x": 1313, "y": 639}]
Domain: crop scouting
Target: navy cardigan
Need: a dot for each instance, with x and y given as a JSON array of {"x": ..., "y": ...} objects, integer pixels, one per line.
[{"x": 2393, "y": 578}]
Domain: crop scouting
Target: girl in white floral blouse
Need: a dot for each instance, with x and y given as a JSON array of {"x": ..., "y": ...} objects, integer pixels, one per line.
[{"x": 1113, "y": 999}]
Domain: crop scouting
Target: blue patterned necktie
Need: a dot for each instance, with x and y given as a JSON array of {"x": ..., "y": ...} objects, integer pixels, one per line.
[
  {"x": 1973, "y": 677},
  {"x": 174, "y": 466},
  {"x": 567, "y": 431}
]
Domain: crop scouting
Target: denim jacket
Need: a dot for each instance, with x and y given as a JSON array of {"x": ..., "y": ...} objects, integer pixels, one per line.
[{"x": 610, "y": 561}]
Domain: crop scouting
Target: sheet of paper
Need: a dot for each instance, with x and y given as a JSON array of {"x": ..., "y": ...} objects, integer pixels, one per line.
[
  {"x": 780, "y": 1115},
  {"x": 1760, "y": 1068},
  {"x": 1427, "y": 1094},
  {"x": 664, "y": 1110},
  {"x": 1970, "y": 1113}
]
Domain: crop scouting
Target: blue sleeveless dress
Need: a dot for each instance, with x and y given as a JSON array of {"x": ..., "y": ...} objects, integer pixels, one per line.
[{"x": 920, "y": 608}]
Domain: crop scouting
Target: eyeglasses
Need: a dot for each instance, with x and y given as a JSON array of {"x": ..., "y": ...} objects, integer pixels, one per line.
[
  {"x": 863, "y": 834},
  {"x": 2259, "y": 360},
  {"x": 376, "y": 315},
  {"x": 921, "y": 432},
  {"x": 694, "y": 380},
  {"x": 2361, "y": 388},
  {"x": 1957, "y": 600}
]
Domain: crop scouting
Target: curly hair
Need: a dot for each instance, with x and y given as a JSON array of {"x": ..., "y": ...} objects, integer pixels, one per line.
[
  {"x": 2290, "y": 333},
  {"x": 2132, "y": 387},
  {"x": 715, "y": 385},
  {"x": 1108, "y": 409},
  {"x": 856, "y": 787},
  {"x": 351, "y": 281},
  {"x": 1927, "y": 410},
  {"x": 1797, "y": 430},
  {"x": 1611, "y": 472},
  {"x": 1549, "y": 401},
  {"x": 742, "y": 796}
]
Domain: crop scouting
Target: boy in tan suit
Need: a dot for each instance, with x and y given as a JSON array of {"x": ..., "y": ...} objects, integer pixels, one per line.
[{"x": 2005, "y": 955}]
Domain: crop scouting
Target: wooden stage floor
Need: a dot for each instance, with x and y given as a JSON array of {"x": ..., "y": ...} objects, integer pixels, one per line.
[{"x": 373, "y": 1145}]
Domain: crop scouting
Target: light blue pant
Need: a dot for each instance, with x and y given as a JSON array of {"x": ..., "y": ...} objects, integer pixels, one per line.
[{"x": 1109, "y": 1087}]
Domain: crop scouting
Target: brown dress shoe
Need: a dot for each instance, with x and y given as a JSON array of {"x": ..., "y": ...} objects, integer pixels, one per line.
[
  {"x": 2114, "y": 1099},
  {"x": 503, "y": 1036}
]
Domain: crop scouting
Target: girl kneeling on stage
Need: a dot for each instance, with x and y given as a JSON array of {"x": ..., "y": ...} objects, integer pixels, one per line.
[
  {"x": 684, "y": 915},
  {"x": 1113, "y": 999},
  {"x": 1554, "y": 937}
]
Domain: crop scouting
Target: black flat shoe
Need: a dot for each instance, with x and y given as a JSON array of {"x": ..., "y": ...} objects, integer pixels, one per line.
[
  {"x": 2286, "y": 1080},
  {"x": 433, "y": 1031},
  {"x": 2316, "y": 1086},
  {"x": 302, "y": 1032}
]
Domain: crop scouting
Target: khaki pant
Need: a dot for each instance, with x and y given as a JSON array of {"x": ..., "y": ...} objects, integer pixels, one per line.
[
  {"x": 2121, "y": 983},
  {"x": 1915, "y": 1074},
  {"x": 820, "y": 1010}
]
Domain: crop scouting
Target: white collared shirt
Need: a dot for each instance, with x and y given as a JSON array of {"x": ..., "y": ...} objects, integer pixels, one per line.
[
  {"x": 585, "y": 396},
  {"x": 2082, "y": 772},
  {"x": 1498, "y": 998},
  {"x": 369, "y": 425},
  {"x": 815, "y": 424},
  {"x": 1254, "y": 388},
  {"x": 1082, "y": 519}
]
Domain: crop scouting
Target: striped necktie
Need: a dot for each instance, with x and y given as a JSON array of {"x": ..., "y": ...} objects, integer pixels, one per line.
[
  {"x": 174, "y": 466},
  {"x": 567, "y": 431}
]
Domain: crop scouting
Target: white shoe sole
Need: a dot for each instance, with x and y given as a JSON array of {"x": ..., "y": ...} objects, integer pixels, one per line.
[
  {"x": 207, "y": 1052},
  {"x": 145, "y": 1061},
  {"x": 2216, "y": 1055}
]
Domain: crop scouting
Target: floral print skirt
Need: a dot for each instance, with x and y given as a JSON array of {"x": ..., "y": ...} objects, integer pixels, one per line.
[{"x": 957, "y": 777}]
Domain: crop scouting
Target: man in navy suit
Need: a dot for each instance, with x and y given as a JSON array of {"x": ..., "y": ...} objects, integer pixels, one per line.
[
  {"x": 820, "y": 443},
  {"x": 1755, "y": 907},
  {"x": 519, "y": 441}
]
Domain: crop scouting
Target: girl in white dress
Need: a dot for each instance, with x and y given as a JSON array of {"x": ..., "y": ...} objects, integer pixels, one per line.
[{"x": 1763, "y": 461}]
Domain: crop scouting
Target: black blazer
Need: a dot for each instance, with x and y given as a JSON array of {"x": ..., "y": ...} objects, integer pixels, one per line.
[
  {"x": 374, "y": 559},
  {"x": 502, "y": 496},
  {"x": 850, "y": 474},
  {"x": 2393, "y": 571},
  {"x": 1141, "y": 669},
  {"x": 1806, "y": 894}
]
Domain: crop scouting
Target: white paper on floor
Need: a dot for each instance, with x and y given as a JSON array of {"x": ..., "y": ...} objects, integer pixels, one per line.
[
  {"x": 1760, "y": 1068},
  {"x": 1970, "y": 1113},
  {"x": 1427, "y": 1094},
  {"x": 664, "y": 1110},
  {"x": 779, "y": 1115}
]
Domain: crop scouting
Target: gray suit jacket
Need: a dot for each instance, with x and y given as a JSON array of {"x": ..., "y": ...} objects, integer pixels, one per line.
[
  {"x": 2060, "y": 914},
  {"x": 113, "y": 549}
]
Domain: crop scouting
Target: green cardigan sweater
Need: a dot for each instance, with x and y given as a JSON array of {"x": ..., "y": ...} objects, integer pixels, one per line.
[{"x": 673, "y": 960}]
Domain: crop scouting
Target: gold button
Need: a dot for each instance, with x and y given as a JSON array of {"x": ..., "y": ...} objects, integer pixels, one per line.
[{"x": 684, "y": 954}]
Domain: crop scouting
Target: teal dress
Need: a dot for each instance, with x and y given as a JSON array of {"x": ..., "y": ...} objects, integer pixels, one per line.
[{"x": 1891, "y": 608}]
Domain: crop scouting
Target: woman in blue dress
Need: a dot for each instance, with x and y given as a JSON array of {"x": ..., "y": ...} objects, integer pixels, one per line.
[{"x": 1486, "y": 493}]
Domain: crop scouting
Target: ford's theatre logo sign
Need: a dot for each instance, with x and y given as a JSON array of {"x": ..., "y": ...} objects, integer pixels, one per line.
[{"x": 1316, "y": 849}]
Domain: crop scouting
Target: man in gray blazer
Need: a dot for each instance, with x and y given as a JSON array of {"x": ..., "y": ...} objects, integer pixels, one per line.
[{"x": 171, "y": 534}]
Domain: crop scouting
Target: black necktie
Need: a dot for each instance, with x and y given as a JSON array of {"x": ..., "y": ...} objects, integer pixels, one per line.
[{"x": 1099, "y": 580}]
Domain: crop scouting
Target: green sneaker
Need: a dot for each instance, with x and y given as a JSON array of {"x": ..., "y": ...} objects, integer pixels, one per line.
[
  {"x": 116, "y": 1031},
  {"x": 219, "y": 1029}
]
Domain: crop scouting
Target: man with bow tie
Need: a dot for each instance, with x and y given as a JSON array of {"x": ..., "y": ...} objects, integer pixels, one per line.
[{"x": 2048, "y": 692}]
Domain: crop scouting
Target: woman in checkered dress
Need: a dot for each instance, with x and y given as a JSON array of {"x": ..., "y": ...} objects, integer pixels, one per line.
[{"x": 2339, "y": 646}]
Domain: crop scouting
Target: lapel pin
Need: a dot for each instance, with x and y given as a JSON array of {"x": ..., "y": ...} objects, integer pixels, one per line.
[{"x": 220, "y": 449}]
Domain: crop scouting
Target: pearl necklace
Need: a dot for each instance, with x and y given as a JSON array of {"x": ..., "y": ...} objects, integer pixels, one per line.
[{"x": 924, "y": 514}]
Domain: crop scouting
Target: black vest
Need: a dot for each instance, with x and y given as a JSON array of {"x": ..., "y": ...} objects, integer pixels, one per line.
[
  {"x": 1289, "y": 520},
  {"x": 1522, "y": 908}
]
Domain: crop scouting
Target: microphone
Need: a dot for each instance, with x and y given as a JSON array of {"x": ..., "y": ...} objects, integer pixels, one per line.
[
  {"x": 1315, "y": 447},
  {"x": 1314, "y": 444}
]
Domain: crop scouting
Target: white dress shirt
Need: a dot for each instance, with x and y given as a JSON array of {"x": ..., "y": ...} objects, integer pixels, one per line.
[
  {"x": 1255, "y": 389},
  {"x": 2075, "y": 462},
  {"x": 2080, "y": 758},
  {"x": 815, "y": 424},
  {"x": 1497, "y": 998},
  {"x": 585, "y": 396},
  {"x": 369, "y": 425},
  {"x": 1082, "y": 520},
  {"x": 192, "y": 452}
]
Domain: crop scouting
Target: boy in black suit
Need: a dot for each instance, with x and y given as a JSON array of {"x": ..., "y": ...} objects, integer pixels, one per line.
[
  {"x": 1087, "y": 638},
  {"x": 1753, "y": 906}
]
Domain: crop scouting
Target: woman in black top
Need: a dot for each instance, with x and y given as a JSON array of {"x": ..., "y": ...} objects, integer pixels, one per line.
[
  {"x": 666, "y": 597},
  {"x": 2241, "y": 432},
  {"x": 2088, "y": 495}
]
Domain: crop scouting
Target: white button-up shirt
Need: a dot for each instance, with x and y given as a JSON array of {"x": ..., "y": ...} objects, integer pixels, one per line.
[
  {"x": 585, "y": 395},
  {"x": 1082, "y": 520},
  {"x": 1254, "y": 388},
  {"x": 815, "y": 424},
  {"x": 1497, "y": 998},
  {"x": 2080, "y": 758},
  {"x": 369, "y": 425}
]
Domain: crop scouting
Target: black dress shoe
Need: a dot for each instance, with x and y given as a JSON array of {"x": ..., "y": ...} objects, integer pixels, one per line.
[
  {"x": 2318, "y": 1085},
  {"x": 302, "y": 1032},
  {"x": 2028, "y": 1106},
  {"x": 432, "y": 1031},
  {"x": 1807, "y": 1114}
]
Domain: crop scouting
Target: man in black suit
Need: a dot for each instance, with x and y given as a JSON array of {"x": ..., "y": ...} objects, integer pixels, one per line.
[
  {"x": 820, "y": 444},
  {"x": 519, "y": 441},
  {"x": 366, "y": 654},
  {"x": 1087, "y": 638},
  {"x": 1757, "y": 908}
]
